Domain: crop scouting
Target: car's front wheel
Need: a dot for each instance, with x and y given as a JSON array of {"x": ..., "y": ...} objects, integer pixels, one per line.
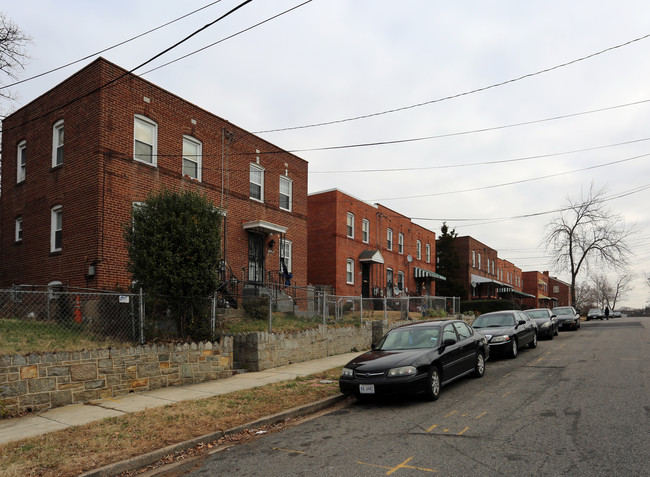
[
  {"x": 514, "y": 349},
  {"x": 533, "y": 343},
  {"x": 433, "y": 384},
  {"x": 479, "y": 366}
]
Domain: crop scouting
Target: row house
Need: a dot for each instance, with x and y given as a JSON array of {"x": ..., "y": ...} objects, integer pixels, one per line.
[
  {"x": 359, "y": 249},
  {"x": 485, "y": 274},
  {"x": 559, "y": 291},
  {"x": 536, "y": 284},
  {"x": 76, "y": 160}
]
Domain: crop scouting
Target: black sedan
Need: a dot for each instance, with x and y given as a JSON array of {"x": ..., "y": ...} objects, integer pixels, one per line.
[
  {"x": 567, "y": 317},
  {"x": 416, "y": 358},
  {"x": 507, "y": 331},
  {"x": 546, "y": 322}
]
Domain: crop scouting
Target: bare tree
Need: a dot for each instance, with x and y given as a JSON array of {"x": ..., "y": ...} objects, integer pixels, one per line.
[
  {"x": 587, "y": 232},
  {"x": 13, "y": 53},
  {"x": 609, "y": 293},
  {"x": 586, "y": 296}
]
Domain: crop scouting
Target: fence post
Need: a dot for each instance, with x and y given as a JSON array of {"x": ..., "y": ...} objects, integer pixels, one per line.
[
  {"x": 141, "y": 317},
  {"x": 361, "y": 308},
  {"x": 324, "y": 308},
  {"x": 408, "y": 308},
  {"x": 385, "y": 312},
  {"x": 270, "y": 313},
  {"x": 213, "y": 315}
]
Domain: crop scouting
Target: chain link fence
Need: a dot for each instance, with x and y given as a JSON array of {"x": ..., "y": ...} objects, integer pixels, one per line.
[{"x": 40, "y": 319}]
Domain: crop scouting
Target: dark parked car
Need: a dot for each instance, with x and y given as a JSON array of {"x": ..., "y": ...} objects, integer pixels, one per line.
[
  {"x": 595, "y": 314},
  {"x": 414, "y": 358},
  {"x": 567, "y": 317},
  {"x": 506, "y": 331},
  {"x": 546, "y": 322}
]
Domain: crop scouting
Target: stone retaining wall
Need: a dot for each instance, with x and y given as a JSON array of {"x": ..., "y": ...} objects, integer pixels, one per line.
[{"x": 41, "y": 381}]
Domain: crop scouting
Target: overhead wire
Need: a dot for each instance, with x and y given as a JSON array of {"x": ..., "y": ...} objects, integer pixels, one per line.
[
  {"x": 458, "y": 95},
  {"x": 109, "y": 48}
]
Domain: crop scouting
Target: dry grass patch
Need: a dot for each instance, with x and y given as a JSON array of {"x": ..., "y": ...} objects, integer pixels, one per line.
[{"x": 78, "y": 449}]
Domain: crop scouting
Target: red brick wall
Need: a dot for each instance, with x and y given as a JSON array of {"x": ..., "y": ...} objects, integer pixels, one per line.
[
  {"x": 330, "y": 247},
  {"x": 100, "y": 180}
]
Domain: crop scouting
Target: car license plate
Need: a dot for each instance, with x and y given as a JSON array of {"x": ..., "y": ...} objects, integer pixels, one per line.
[{"x": 366, "y": 388}]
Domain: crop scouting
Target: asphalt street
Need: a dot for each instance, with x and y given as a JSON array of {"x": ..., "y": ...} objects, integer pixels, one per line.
[{"x": 576, "y": 405}]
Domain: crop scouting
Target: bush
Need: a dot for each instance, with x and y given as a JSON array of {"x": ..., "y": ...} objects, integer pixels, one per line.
[{"x": 257, "y": 308}]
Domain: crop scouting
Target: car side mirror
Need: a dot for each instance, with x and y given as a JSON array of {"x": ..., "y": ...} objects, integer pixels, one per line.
[
  {"x": 553, "y": 316},
  {"x": 521, "y": 322},
  {"x": 449, "y": 342},
  {"x": 373, "y": 346}
]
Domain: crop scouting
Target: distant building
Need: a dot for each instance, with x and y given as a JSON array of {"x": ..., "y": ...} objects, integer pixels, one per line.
[
  {"x": 359, "y": 249},
  {"x": 537, "y": 285},
  {"x": 76, "y": 160},
  {"x": 559, "y": 291}
]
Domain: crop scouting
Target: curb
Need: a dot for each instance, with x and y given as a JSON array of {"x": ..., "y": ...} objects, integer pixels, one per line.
[{"x": 152, "y": 457}]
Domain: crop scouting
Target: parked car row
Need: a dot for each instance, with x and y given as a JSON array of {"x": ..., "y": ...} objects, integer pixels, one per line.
[{"x": 425, "y": 356}]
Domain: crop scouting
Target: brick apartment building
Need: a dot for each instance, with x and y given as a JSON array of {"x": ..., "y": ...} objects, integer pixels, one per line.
[
  {"x": 536, "y": 284},
  {"x": 485, "y": 274},
  {"x": 66, "y": 197},
  {"x": 361, "y": 249},
  {"x": 558, "y": 291}
]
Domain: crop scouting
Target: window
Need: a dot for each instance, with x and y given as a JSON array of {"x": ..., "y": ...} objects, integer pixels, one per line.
[
  {"x": 479, "y": 261},
  {"x": 18, "y": 237},
  {"x": 365, "y": 230},
  {"x": 21, "y": 161},
  {"x": 428, "y": 253},
  {"x": 473, "y": 258},
  {"x": 488, "y": 264},
  {"x": 350, "y": 231},
  {"x": 57, "y": 144},
  {"x": 400, "y": 243},
  {"x": 192, "y": 158},
  {"x": 389, "y": 282},
  {"x": 349, "y": 276},
  {"x": 389, "y": 239},
  {"x": 464, "y": 331},
  {"x": 145, "y": 140},
  {"x": 418, "y": 250},
  {"x": 556, "y": 289},
  {"x": 56, "y": 235},
  {"x": 400, "y": 280},
  {"x": 257, "y": 182},
  {"x": 285, "y": 254},
  {"x": 286, "y": 189}
]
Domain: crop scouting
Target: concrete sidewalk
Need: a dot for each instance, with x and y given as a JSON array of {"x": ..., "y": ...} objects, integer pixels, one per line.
[{"x": 77, "y": 414}]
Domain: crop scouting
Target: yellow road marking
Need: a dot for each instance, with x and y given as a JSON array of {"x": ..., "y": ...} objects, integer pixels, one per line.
[
  {"x": 432, "y": 428},
  {"x": 463, "y": 431},
  {"x": 451, "y": 413},
  {"x": 445, "y": 430},
  {"x": 481, "y": 415},
  {"x": 403, "y": 465},
  {"x": 479, "y": 393},
  {"x": 288, "y": 450},
  {"x": 506, "y": 375},
  {"x": 507, "y": 393}
]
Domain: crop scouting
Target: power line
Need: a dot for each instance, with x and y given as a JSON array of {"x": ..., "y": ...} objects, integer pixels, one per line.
[
  {"x": 495, "y": 85},
  {"x": 130, "y": 72},
  {"x": 110, "y": 47}
]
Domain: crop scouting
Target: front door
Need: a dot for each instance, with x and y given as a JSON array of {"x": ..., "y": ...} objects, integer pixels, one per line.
[
  {"x": 255, "y": 257},
  {"x": 365, "y": 280}
]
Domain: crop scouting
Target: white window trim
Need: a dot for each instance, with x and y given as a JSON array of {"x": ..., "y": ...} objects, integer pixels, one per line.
[
  {"x": 418, "y": 249},
  {"x": 154, "y": 146},
  {"x": 400, "y": 243},
  {"x": 55, "y": 211},
  {"x": 287, "y": 255},
  {"x": 289, "y": 182},
  {"x": 261, "y": 169},
  {"x": 59, "y": 125},
  {"x": 365, "y": 230},
  {"x": 349, "y": 225},
  {"x": 428, "y": 253},
  {"x": 401, "y": 281},
  {"x": 389, "y": 239},
  {"x": 18, "y": 234},
  {"x": 197, "y": 159},
  {"x": 21, "y": 169},
  {"x": 349, "y": 272}
]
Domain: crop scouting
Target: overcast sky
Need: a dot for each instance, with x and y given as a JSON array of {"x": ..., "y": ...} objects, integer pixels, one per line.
[{"x": 480, "y": 169}]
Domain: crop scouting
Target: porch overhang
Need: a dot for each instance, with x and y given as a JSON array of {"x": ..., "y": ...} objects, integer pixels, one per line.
[
  {"x": 371, "y": 256},
  {"x": 424, "y": 273},
  {"x": 478, "y": 279},
  {"x": 264, "y": 227}
]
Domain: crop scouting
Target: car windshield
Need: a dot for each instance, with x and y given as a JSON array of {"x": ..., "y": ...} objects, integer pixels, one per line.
[
  {"x": 594, "y": 311},
  {"x": 563, "y": 311},
  {"x": 410, "y": 339},
  {"x": 494, "y": 321},
  {"x": 537, "y": 313}
]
